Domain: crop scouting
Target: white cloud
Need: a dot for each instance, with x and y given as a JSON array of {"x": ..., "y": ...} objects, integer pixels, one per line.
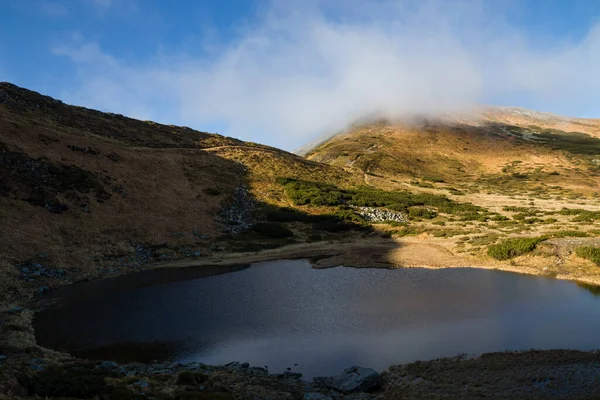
[{"x": 304, "y": 71}]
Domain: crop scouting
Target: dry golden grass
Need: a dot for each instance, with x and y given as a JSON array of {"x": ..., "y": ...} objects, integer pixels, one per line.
[
  {"x": 484, "y": 162},
  {"x": 165, "y": 182}
]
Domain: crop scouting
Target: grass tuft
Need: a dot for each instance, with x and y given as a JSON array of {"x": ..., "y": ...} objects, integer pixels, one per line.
[
  {"x": 514, "y": 247},
  {"x": 589, "y": 252}
]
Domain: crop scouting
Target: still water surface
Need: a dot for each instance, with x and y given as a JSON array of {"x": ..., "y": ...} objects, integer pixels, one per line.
[{"x": 282, "y": 313}]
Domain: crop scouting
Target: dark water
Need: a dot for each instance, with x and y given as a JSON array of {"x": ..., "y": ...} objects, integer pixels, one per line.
[{"x": 283, "y": 313}]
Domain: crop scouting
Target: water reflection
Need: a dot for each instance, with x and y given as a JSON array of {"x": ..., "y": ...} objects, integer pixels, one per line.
[{"x": 283, "y": 312}]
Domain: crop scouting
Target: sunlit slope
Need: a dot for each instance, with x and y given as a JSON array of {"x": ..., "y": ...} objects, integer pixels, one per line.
[{"x": 496, "y": 151}]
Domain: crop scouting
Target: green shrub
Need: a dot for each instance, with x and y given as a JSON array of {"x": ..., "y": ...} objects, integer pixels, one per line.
[
  {"x": 347, "y": 214},
  {"x": 527, "y": 210},
  {"x": 319, "y": 194},
  {"x": 314, "y": 193},
  {"x": 408, "y": 230},
  {"x": 272, "y": 230},
  {"x": 455, "y": 191},
  {"x": 510, "y": 248},
  {"x": 434, "y": 179},
  {"x": 563, "y": 234},
  {"x": 483, "y": 240},
  {"x": 449, "y": 233},
  {"x": 422, "y": 212},
  {"x": 571, "y": 211},
  {"x": 589, "y": 252},
  {"x": 532, "y": 221},
  {"x": 587, "y": 216},
  {"x": 473, "y": 216}
]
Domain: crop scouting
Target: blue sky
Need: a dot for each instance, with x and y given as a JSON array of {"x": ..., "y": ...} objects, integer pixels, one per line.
[{"x": 286, "y": 72}]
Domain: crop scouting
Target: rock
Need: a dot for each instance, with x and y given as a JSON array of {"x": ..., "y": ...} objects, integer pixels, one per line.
[
  {"x": 143, "y": 255},
  {"x": 245, "y": 365},
  {"x": 142, "y": 384},
  {"x": 379, "y": 214},
  {"x": 192, "y": 365},
  {"x": 288, "y": 374},
  {"x": 316, "y": 396},
  {"x": 42, "y": 289},
  {"x": 322, "y": 381},
  {"x": 107, "y": 365},
  {"x": 37, "y": 364},
  {"x": 239, "y": 215},
  {"x": 356, "y": 379},
  {"x": 161, "y": 371},
  {"x": 257, "y": 371},
  {"x": 56, "y": 207},
  {"x": 233, "y": 366}
]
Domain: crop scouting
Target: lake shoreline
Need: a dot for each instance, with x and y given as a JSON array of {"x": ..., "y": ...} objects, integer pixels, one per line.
[
  {"x": 380, "y": 253},
  {"x": 371, "y": 253}
]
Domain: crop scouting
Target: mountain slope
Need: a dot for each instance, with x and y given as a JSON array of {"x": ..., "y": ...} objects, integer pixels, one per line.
[
  {"x": 80, "y": 187},
  {"x": 499, "y": 151}
]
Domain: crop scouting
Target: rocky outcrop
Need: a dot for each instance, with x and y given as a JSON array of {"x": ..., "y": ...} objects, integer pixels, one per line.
[
  {"x": 373, "y": 214},
  {"x": 352, "y": 380},
  {"x": 238, "y": 216}
]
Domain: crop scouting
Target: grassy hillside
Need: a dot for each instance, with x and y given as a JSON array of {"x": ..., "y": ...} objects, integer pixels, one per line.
[
  {"x": 86, "y": 194},
  {"x": 79, "y": 187},
  {"x": 533, "y": 177},
  {"x": 482, "y": 156},
  {"x": 94, "y": 191}
]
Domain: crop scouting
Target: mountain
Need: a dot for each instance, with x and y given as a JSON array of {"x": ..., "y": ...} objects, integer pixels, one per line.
[
  {"x": 81, "y": 187},
  {"x": 87, "y": 195},
  {"x": 494, "y": 151}
]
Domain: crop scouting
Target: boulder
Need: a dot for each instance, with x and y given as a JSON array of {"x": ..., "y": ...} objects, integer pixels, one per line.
[
  {"x": 356, "y": 379},
  {"x": 107, "y": 365}
]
